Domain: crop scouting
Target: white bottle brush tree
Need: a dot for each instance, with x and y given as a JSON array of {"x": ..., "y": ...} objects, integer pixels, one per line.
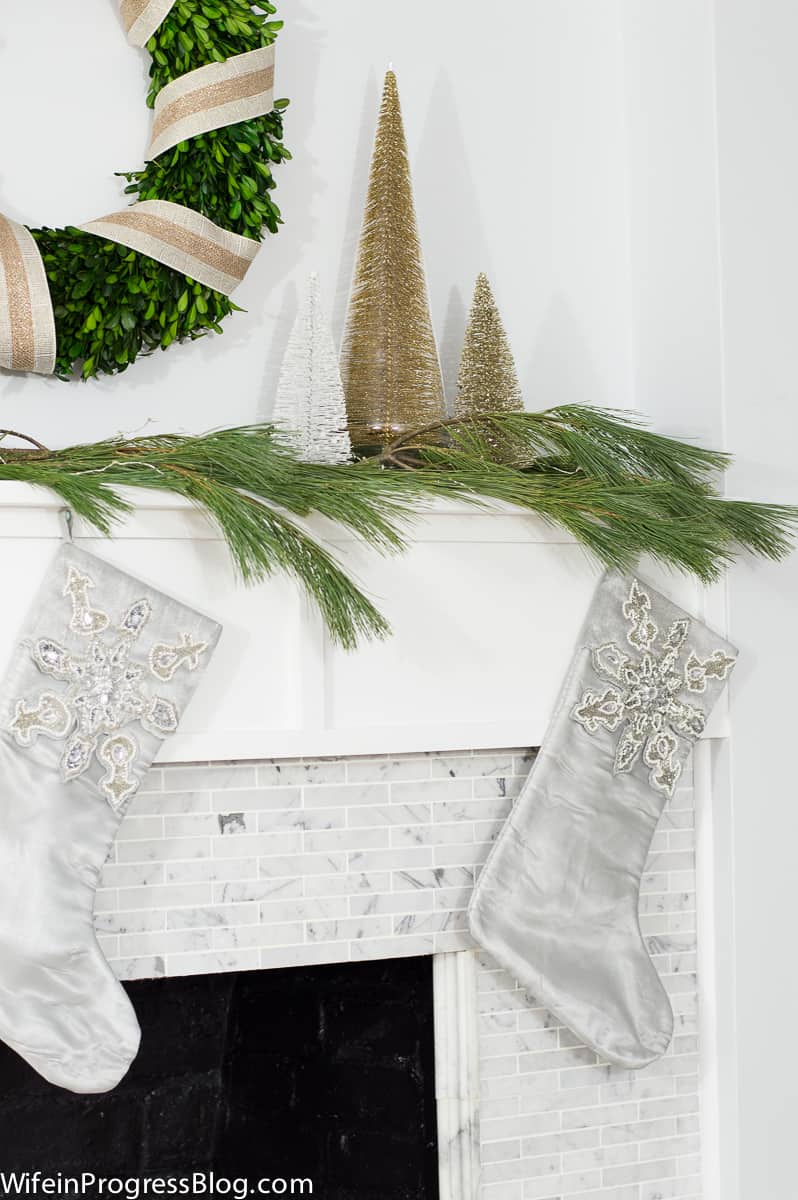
[{"x": 310, "y": 409}]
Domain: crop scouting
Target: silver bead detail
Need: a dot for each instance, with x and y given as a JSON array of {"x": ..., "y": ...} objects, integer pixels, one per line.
[{"x": 105, "y": 693}]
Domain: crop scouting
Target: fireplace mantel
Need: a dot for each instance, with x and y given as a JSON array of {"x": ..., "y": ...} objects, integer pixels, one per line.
[{"x": 485, "y": 607}]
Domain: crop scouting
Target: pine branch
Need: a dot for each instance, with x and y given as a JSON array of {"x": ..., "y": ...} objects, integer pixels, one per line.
[
  {"x": 620, "y": 490},
  {"x": 222, "y": 474},
  {"x": 601, "y": 443}
]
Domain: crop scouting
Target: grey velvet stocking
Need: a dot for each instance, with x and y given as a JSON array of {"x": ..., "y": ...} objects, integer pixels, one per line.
[
  {"x": 557, "y": 902},
  {"x": 99, "y": 679}
]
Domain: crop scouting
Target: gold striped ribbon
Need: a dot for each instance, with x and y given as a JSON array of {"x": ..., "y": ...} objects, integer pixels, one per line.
[
  {"x": 27, "y": 326},
  {"x": 142, "y": 17},
  {"x": 181, "y": 239},
  {"x": 210, "y": 97}
]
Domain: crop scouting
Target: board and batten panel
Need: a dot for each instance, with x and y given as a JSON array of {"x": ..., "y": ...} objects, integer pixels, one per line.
[
  {"x": 482, "y": 634},
  {"x": 485, "y": 607}
]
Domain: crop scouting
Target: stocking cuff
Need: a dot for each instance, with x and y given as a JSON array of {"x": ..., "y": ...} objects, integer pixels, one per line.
[
  {"x": 102, "y": 674},
  {"x": 647, "y": 677}
]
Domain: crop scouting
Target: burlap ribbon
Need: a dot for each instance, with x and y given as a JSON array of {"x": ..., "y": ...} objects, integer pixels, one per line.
[
  {"x": 181, "y": 239},
  {"x": 142, "y": 17},
  {"x": 27, "y": 326},
  {"x": 210, "y": 97}
]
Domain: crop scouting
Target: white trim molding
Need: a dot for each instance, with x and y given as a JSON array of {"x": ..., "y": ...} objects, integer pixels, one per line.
[
  {"x": 457, "y": 1074},
  {"x": 485, "y": 608}
]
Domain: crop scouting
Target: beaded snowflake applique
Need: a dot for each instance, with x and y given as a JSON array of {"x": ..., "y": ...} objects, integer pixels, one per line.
[
  {"x": 645, "y": 698},
  {"x": 106, "y": 691}
]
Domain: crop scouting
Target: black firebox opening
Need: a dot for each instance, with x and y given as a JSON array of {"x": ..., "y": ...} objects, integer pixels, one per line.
[{"x": 323, "y": 1073}]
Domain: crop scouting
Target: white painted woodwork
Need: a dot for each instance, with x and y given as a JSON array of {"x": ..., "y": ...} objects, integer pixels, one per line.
[
  {"x": 457, "y": 1091},
  {"x": 485, "y": 608}
]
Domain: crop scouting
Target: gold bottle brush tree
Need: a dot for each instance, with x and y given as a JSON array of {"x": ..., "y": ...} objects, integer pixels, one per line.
[
  {"x": 488, "y": 380},
  {"x": 389, "y": 360}
]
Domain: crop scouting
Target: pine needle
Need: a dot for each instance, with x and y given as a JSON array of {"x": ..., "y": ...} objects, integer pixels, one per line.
[{"x": 618, "y": 489}]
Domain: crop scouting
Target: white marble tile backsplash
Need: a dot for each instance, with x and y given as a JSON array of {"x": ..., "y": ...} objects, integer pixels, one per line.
[{"x": 222, "y": 867}]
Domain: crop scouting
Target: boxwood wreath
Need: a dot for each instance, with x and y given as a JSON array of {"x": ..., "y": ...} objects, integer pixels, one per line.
[{"x": 112, "y": 304}]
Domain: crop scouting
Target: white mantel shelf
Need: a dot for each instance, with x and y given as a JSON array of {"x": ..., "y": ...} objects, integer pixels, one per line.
[{"x": 485, "y": 606}]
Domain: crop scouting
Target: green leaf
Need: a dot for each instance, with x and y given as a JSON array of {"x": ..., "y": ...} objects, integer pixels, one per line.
[{"x": 98, "y": 288}]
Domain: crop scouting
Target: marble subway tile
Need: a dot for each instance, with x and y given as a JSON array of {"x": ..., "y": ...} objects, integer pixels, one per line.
[
  {"x": 301, "y": 865},
  {"x": 458, "y": 833},
  {"x": 345, "y": 795},
  {"x": 439, "y": 877},
  {"x": 209, "y": 777},
  {"x": 143, "y": 920},
  {"x": 233, "y": 866},
  {"x": 425, "y": 791},
  {"x": 304, "y": 956},
  {"x": 376, "y": 904},
  {"x": 211, "y": 870},
  {"x": 375, "y": 770},
  {"x": 164, "y": 850},
  {"x": 316, "y": 842},
  {"x": 242, "y": 891},
  {"x": 261, "y": 937},
  {"x": 213, "y": 962},
  {"x": 302, "y": 774},
  {"x": 600, "y": 1156},
  {"x": 165, "y": 803},
  {"x": 150, "y": 967},
  {"x": 301, "y": 819},
  {"x": 212, "y": 916},
  {"x": 260, "y": 800},
  {"x": 133, "y": 874},
  {"x": 248, "y": 845},
  {"x": 389, "y": 814},
  {"x": 391, "y": 860},
  {"x": 165, "y": 896},
  {"x": 358, "y": 883},
  {"x": 135, "y": 828},
  {"x": 180, "y": 941},
  {"x": 371, "y": 948},
  {"x": 273, "y": 912},
  {"x": 453, "y": 942},
  {"x": 348, "y": 929}
]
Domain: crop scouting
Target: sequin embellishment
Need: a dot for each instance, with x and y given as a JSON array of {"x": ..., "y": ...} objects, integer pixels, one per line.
[
  {"x": 106, "y": 691},
  {"x": 644, "y": 696}
]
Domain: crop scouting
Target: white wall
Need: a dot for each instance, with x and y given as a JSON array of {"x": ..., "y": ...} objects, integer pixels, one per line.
[
  {"x": 757, "y": 123},
  {"x": 712, "y": 106}
]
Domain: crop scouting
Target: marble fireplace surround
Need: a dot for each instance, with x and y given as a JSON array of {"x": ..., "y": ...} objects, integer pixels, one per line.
[
  {"x": 307, "y": 814},
  {"x": 279, "y": 863}
]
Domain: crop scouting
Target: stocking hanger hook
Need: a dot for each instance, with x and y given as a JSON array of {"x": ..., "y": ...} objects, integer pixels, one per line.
[{"x": 66, "y": 522}]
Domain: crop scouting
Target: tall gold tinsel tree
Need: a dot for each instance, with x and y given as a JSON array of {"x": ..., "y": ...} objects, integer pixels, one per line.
[
  {"x": 389, "y": 361},
  {"x": 488, "y": 380}
]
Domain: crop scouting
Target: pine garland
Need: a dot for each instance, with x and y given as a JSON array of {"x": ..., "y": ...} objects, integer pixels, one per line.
[{"x": 619, "y": 489}]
